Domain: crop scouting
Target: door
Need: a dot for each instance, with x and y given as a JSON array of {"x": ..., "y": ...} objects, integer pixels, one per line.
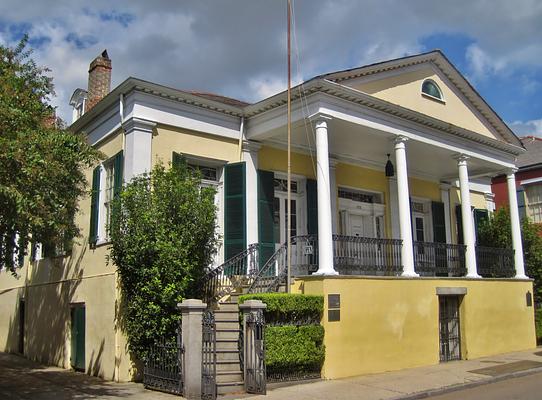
[
  {"x": 78, "y": 337},
  {"x": 449, "y": 329},
  {"x": 280, "y": 219}
]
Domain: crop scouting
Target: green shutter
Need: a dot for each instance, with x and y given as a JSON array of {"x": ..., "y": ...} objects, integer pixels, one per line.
[
  {"x": 235, "y": 238},
  {"x": 177, "y": 159},
  {"x": 266, "y": 229},
  {"x": 118, "y": 170},
  {"x": 312, "y": 207},
  {"x": 459, "y": 224},
  {"x": 480, "y": 215},
  {"x": 520, "y": 194},
  {"x": 94, "y": 205},
  {"x": 439, "y": 224}
]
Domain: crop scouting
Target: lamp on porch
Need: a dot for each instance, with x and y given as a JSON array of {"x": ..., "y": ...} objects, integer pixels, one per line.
[{"x": 390, "y": 170}]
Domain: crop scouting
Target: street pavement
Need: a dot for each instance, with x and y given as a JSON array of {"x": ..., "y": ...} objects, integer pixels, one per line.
[{"x": 504, "y": 377}]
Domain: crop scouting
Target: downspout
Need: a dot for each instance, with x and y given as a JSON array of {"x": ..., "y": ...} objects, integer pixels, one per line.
[
  {"x": 117, "y": 282},
  {"x": 241, "y": 138}
]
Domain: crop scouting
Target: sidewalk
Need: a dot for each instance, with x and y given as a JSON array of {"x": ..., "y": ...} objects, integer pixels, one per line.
[{"x": 415, "y": 383}]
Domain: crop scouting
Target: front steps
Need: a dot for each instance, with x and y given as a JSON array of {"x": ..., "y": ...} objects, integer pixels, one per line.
[{"x": 229, "y": 377}]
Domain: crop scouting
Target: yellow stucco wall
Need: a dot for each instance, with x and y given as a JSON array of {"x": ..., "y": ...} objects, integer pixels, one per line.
[
  {"x": 51, "y": 285},
  {"x": 272, "y": 159},
  {"x": 405, "y": 90},
  {"x": 391, "y": 324},
  {"x": 167, "y": 140}
]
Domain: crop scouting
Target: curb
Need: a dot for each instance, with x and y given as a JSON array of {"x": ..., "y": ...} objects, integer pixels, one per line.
[{"x": 469, "y": 385}]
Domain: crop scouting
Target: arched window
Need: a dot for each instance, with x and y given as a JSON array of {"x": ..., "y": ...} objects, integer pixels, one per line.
[{"x": 430, "y": 88}]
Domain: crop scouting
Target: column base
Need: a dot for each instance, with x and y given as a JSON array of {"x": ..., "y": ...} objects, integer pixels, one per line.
[
  {"x": 473, "y": 276},
  {"x": 521, "y": 277},
  {"x": 410, "y": 274},
  {"x": 326, "y": 272}
]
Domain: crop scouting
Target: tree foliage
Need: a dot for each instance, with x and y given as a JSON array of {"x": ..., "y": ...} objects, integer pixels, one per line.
[
  {"x": 162, "y": 239},
  {"x": 497, "y": 232},
  {"x": 42, "y": 164}
]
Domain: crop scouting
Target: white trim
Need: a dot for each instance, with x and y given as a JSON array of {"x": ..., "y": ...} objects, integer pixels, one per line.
[{"x": 531, "y": 181}]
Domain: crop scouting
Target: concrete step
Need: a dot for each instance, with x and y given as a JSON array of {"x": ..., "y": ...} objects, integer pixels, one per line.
[
  {"x": 229, "y": 376},
  {"x": 228, "y": 365},
  {"x": 228, "y": 306},
  {"x": 230, "y": 387},
  {"x": 227, "y": 355},
  {"x": 224, "y": 334},
  {"x": 221, "y": 315},
  {"x": 227, "y": 324},
  {"x": 227, "y": 344}
]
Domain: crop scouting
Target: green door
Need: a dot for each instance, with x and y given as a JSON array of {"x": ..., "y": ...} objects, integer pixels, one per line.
[{"x": 78, "y": 337}]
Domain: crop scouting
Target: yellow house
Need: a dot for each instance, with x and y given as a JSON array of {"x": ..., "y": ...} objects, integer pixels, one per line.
[{"x": 391, "y": 167}]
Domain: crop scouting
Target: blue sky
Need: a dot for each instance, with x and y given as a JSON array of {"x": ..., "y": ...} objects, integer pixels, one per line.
[{"x": 237, "y": 47}]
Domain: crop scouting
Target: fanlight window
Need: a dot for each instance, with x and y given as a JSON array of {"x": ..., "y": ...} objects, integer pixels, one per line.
[{"x": 430, "y": 88}]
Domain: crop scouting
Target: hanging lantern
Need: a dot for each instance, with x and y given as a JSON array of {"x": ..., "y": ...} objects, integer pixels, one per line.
[{"x": 390, "y": 170}]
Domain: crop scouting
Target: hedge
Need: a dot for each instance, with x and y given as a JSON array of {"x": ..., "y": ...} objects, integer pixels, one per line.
[
  {"x": 294, "y": 348},
  {"x": 293, "y": 335},
  {"x": 538, "y": 322},
  {"x": 287, "y": 308}
]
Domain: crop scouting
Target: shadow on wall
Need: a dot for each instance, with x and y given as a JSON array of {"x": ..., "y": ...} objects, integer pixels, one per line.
[{"x": 48, "y": 313}]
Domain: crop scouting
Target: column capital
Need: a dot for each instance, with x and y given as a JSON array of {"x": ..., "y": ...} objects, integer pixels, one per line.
[
  {"x": 461, "y": 159},
  {"x": 250, "y": 146},
  {"x": 320, "y": 118},
  {"x": 511, "y": 171},
  {"x": 399, "y": 139},
  {"x": 138, "y": 124}
]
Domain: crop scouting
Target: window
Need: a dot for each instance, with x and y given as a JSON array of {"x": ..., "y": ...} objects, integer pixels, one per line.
[
  {"x": 281, "y": 185},
  {"x": 431, "y": 89},
  {"x": 106, "y": 184},
  {"x": 534, "y": 202},
  {"x": 358, "y": 195}
]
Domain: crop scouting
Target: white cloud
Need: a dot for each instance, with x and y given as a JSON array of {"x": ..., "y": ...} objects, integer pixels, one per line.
[
  {"x": 528, "y": 128},
  {"x": 481, "y": 64}
]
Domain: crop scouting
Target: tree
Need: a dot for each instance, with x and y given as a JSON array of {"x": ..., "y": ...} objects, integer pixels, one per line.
[
  {"x": 42, "y": 164},
  {"x": 162, "y": 239},
  {"x": 497, "y": 232}
]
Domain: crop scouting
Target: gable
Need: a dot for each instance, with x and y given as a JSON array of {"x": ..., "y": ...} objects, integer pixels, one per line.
[{"x": 403, "y": 87}]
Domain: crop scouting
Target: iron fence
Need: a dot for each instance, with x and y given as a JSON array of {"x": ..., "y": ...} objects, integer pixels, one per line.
[
  {"x": 163, "y": 369},
  {"x": 495, "y": 262},
  {"x": 439, "y": 259},
  {"x": 208, "y": 359}
]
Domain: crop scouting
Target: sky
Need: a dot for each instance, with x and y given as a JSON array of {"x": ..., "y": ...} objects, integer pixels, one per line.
[{"x": 237, "y": 48}]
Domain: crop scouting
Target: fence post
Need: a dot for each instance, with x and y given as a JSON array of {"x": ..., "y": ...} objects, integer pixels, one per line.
[
  {"x": 192, "y": 313},
  {"x": 251, "y": 308}
]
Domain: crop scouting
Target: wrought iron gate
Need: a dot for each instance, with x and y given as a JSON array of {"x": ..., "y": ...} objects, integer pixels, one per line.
[
  {"x": 208, "y": 359},
  {"x": 163, "y": 368},
  {"x": 449, "y": 332},
  {"x": 255, "y": 375}
]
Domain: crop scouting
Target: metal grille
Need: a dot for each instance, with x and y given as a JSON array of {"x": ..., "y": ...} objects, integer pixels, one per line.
[
  {"x": 208, "y": 359},
  {"x": 450, "y": 333},
  {"x": 163, "y": 368},
  {"x": 439, "y": 259},
  {"x": 255, "y": 375}
]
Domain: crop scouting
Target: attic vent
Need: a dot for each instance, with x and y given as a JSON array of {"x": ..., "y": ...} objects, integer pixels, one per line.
[{"x": 431, "y": 89}]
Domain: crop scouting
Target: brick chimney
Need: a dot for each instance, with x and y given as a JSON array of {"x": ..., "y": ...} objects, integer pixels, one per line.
[{"x": 99, "y": 80}]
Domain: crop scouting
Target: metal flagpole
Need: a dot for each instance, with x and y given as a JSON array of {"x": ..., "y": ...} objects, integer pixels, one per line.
[{"x": 289, "y": 205}]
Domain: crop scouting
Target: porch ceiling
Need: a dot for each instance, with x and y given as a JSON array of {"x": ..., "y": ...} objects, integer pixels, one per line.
[{"x": 363, "y": 145}]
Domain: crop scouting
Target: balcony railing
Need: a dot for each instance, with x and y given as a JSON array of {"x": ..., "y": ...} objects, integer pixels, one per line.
[
  {"x": 495, "y": 262},
  {"x": 439, "y": 259}
]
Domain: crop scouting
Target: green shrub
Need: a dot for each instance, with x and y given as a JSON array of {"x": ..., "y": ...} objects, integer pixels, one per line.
[
  {"x": 538, "y": 322},
  {"x": 287, "y": 308},
  {"x": 294, "y": 348}
]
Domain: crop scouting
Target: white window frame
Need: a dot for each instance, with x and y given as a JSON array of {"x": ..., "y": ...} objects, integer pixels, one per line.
[
  {"x": 349, "y": 207},
  {"x": 441, "y": 99},
  {"x": 529, "y": 205},
  {"x": 299, "y": 197},
  {"x": 427, "y": 216}
]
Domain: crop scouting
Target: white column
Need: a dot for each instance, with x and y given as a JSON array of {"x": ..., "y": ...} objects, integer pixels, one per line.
[
  {"x": 250, "y": 157},
  {"x": 333, "y": 191},
  {"x": 325, "y": 238},
  {"x": 394, "y": 207},
  {"x": 403, "y": 199},
  {"x": 137, "y": 147},
  {"x": 466, "y": 216},
  {"x": 445, "y": 198},
  {"x": 516, "y": 228}
]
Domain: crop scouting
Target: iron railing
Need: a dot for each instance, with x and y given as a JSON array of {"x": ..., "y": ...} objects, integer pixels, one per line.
[
  {"x": 353, "y": 255},
  {"x": 439, "y": 259},
  {"x": 231, "y": 275},
  {"x": 495, "y": 262},
  {"x": 208, "y": 356},
  {"x": 163, "y": 369}
]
